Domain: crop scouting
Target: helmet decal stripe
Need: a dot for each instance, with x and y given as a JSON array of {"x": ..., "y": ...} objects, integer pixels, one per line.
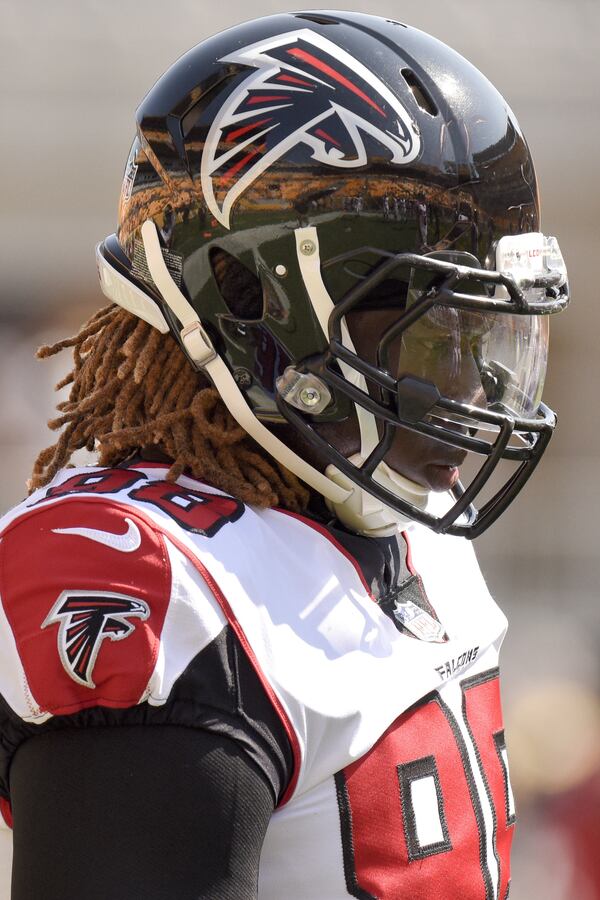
[
  {"x": 254, "y": 100},
  {"x": 297, "y": 81},
  {"x": 240, "y": 165},
  {"x": 312, "y": 60},
  {"x": 233, "y": 135},
  {"x": 292, "y": 80},
  {"x": 327, "y": 137}
]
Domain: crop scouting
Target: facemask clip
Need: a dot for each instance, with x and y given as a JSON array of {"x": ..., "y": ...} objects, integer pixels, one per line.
[{"x": 304, "y": 391}]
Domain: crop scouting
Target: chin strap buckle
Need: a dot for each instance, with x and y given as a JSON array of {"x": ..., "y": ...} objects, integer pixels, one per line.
[{"x": 197, "y": 344}]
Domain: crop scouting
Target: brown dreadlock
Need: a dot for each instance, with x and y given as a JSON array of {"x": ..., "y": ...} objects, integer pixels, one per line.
[{"x": 132, "y": 387}]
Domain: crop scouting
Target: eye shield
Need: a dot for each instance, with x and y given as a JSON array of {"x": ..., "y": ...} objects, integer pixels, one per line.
[{"x": 481, "y": 355}]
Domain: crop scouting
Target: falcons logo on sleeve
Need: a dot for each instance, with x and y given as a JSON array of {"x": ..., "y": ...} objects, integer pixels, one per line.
[
  {"x": 85, "y": 619},
  {"x": 300, "y": 77}
]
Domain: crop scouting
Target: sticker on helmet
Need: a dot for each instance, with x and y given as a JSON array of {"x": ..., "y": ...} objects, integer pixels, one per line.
[
  {"x": 129, "y": 179},
  {"x": 305, "y": 90}
]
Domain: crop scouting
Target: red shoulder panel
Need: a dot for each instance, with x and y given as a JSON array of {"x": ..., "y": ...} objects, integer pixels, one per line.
[{"x": 85, "y": 586}]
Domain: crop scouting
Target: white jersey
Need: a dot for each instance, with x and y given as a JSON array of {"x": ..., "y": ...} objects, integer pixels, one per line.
[{"x": 113, "y": 580}]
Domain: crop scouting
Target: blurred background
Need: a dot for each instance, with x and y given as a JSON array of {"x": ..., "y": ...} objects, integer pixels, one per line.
[{"x": 71, "y": 77}]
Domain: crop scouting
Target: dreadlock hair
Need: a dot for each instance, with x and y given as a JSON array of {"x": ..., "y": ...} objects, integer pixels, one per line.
[{"x": 132, "y": 387}]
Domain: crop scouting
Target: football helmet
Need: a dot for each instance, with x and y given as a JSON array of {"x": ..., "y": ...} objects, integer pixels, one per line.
[{"x": 345, "y": 163}]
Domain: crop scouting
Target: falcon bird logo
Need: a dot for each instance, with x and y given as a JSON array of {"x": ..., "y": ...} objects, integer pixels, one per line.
[
  {"x": 85, "y": 619},
  {"x": 300, "y": 77}
]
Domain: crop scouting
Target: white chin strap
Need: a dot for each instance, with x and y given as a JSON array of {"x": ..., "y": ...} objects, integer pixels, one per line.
[{"x": 354, "y": 507}]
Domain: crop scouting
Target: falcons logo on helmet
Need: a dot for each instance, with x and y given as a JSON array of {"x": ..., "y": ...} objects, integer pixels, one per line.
[
  {"x": 85, "y": 619},
  {"x": 305, "y": 90}
]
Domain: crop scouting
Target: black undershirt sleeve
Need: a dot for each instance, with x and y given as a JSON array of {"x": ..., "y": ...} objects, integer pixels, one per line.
[
  {"x": 164, "y": 813},
  {"x": 156, "y": 803}
]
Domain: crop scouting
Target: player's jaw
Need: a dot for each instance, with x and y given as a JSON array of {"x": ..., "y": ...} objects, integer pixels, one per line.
[{"x": 427, "y": 462}]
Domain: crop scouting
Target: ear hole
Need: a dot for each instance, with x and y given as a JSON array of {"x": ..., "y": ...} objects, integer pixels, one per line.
[
  {"x": 419, "y": 92},
  {"x": 240, "y": 288}
]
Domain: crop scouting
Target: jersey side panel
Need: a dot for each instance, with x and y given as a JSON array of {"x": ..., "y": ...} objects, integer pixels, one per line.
[{"x": 194, "y": 618}]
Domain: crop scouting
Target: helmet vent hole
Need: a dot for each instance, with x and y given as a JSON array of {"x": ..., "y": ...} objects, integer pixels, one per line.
[
  {"x": 419, "y": 92},
  {"x": 194, "y": 114},
  {"x": 317, "y": 20},
  {"x": 240, "y": 288}
]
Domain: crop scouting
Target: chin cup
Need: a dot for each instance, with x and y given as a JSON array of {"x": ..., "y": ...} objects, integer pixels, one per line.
[{"x": 365, "y": 514}]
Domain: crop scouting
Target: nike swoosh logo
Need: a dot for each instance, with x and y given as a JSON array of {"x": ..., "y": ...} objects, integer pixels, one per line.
[{"x": 125, "y": 543}]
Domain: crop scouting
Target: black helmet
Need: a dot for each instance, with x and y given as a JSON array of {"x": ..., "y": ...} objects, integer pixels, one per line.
[{"x": 342, "y": 162}]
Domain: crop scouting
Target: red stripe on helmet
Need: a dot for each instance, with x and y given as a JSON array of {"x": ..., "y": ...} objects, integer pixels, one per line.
[
  {"x": 234, "y": 135},
  {"x": 327, "y": 137},
  {"x": 241, "y": 163},
  {"x": 323, "y": 67},
  {"x": 268, "y": 98},
  {"x": 292, "y": 80}
]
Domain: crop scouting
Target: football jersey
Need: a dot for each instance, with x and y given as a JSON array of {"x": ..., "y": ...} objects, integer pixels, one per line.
[{"x": 113, "y": 580}]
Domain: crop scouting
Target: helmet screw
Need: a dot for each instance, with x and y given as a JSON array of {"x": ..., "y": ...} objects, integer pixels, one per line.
[
  {"x": 242, "y": 377},
  {"x": 280, "y": 270},
  {"x": 310, "y": 396},
  {"x": 307, "y": 248}
]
